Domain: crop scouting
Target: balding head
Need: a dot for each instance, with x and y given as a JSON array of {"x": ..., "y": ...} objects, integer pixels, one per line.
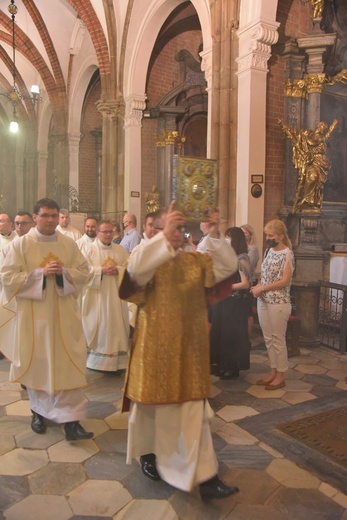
[
  {"x": 129, "y": 221},
  {"x": 6, "y": 224}
]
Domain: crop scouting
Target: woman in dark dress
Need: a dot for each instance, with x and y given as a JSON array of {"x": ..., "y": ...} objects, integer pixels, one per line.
[{"x": 230, "y": 347}]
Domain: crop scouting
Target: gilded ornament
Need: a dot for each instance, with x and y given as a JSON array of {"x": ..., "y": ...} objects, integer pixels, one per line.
[
  {"x": 152, "y": 200},
  {"x": 309, "y": 158},
  {"x": 108, "y": 261},
  {"x": 50, "y": 258},
  {"x": 318, "y": 6}
]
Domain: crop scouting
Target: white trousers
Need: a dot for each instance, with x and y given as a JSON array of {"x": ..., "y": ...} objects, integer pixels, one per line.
[
  {"x": 61, "y": 407},
  {"x": 180, "y": 437},
  {"x": 273, "y": 319}
]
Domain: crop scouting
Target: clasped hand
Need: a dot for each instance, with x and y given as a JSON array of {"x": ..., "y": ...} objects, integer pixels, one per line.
[{"x": 53, "y": 268}]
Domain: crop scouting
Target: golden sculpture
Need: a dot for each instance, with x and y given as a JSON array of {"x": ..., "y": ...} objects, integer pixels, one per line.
[
  {"x": 152, "y": 200},
  {"x": 317, "y": 8},
  {"x": 309, "y": 157}
]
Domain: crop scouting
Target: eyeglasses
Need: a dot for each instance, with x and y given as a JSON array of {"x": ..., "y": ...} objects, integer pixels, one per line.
[
  {"x": 48, "y": 215},
  {"x": 106, "y": 232},
  {"x": 22, "y": 223}
]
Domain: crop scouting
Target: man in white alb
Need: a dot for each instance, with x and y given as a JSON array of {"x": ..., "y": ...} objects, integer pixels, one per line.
[
  {"x": 89, "y": 236},
  {"x": 41, "y": 275},
  {"x": 65, "y": 227},
  {"x": 104, "y": 315}
]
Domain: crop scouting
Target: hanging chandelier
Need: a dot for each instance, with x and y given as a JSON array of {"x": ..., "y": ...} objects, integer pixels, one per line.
[{"x": 14, "y": 95}]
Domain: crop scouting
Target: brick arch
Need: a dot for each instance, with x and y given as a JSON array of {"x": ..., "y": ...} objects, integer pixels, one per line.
[{"x": 85, "y": 10}]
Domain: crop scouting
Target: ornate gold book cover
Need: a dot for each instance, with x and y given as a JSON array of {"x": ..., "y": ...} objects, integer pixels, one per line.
[{"x": 194, "y": 187}]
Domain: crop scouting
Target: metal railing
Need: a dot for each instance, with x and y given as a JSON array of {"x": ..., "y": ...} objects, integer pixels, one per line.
[{"x": 332, "y": 319}]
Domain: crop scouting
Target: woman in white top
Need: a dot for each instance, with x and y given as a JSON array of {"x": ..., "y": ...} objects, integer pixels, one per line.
[{"x": 274, "y": 307}]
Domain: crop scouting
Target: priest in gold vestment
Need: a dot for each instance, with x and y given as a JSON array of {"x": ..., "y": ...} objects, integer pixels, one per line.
[
  {"x": 168, "y": 377},
  {"x": 41, "y": 274}
]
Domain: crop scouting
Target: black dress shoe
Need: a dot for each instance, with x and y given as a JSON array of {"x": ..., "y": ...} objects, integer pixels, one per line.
[
  {"x": 149, "y": 467},
  {"x": 215, "y": 488},
  {"x": 38, "y": 424},
  {"x": 230, "y": 374},
  {"x": 74, "y": 431}
]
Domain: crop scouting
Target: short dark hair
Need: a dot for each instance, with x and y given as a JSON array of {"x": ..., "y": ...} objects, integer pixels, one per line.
[
  {"x": 91, "y": 218},
  {"x": 105, "y": 221},
  {"x": 24, "y": 214},
  {"x": 45, "y": 203}
]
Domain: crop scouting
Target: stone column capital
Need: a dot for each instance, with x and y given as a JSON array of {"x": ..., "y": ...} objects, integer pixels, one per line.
[
  {"x": 255, "y": 41},
  {"x": 134, "y": 107},
  {"x": 111, "y": 108},
  {"x": 206, "y": 66}
]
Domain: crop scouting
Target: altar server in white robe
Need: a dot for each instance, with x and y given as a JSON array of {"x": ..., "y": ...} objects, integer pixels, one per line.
[
  {"x": 41, "y": 275},
  {"x": 104, "y": 314},
  {"x": 89, "y": 235}
]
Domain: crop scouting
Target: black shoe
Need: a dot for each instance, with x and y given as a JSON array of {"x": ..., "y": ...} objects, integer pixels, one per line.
[
  {"x": 38, "y": 424},
  {"x": 149, "y": 467},
  {"x": 215, "y": 488},
  {"x": 230, "y": 374},
  {"x": 74, "y": 431}
]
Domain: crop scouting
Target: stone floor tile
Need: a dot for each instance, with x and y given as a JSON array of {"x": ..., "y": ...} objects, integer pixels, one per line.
[
  {"x": 246, "y": 457},
  {"x": 76, "y": 451},
  {"x": 216, "y": 423},
  {"x": 255, "y": 486},
  {"x": 7, "y": 397},
  {"x": 233, "y": 413},
  {"x": 334, "y": 364},
  {"x": 31, "y": 440},
  {"x": 340, "y": 375},
  {"x": 341, "y": 385},
  {"x": 305, "y": 504},
  {"x": 6, "y": 443},
  {"x": 142, "y": 487},
  {"x": 319, "y": 380},
  {"x": 113, "y": 441},
  {"x": 12, "y": 490},
  {"x": 297, "y": 385},
  {"x": 109, "y": 466},
  {"x": 22, "y": 462},
  {"x": 327, "y": 490},
  {"x": 311, "y": 369},
  {"x": 98, "y": 410},
  {"x": 274, "y": 453},
  {"x": 269, "y": 405},
  {"x": 19, "y": 408},
  {"x": 13, "y": 425},
  {"x": 233, "y": 434},
  {"x": 322, "y": 354},
  {"x": 189, "y": 506},
  {"x": 250, "y": 512},
  {"x": 324, "y": 391},
  {"x": 98, "y": 497},
  {"x": 293, "y": 374},
  {"x": 291, "y": 476},
  {"x": 44, "y": 507},
  {"x": 56, "y": 478},
  {"x": 258, "y": 358},
  {"x": 341, "y": 499},
  {"x": 214, "y": 390},
  {"x": 96, "y": 426},
  {"x": 118, "y": 421},
  {"x": 304, "y": 360},
  {"x": 298, "y": 397},
  {"x": 147, "y": 510},
  {"x": 259, "y": 391}
]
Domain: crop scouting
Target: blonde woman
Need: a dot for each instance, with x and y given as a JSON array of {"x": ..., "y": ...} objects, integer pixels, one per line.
[{"x": 274, "y": 307}]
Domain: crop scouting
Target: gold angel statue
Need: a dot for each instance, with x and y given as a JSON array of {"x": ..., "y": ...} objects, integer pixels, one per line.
[
  {"x": 152, "y": 200},
  {"x": 309, "y": 157}
]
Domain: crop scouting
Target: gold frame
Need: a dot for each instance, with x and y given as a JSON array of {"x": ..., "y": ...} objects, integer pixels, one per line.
[{"x": 195, "y": 187}]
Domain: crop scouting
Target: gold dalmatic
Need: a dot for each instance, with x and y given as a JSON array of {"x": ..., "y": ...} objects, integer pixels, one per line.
[{"x": 50, "y": 258}]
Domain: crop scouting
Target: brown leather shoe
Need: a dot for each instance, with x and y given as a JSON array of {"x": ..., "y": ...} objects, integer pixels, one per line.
[
  {"x": 275, "y": 387},
  {"x": 261, "y": 382}
]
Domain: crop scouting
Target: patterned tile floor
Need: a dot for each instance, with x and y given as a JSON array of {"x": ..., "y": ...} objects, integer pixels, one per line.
[{"x": 45, "y": 477}]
